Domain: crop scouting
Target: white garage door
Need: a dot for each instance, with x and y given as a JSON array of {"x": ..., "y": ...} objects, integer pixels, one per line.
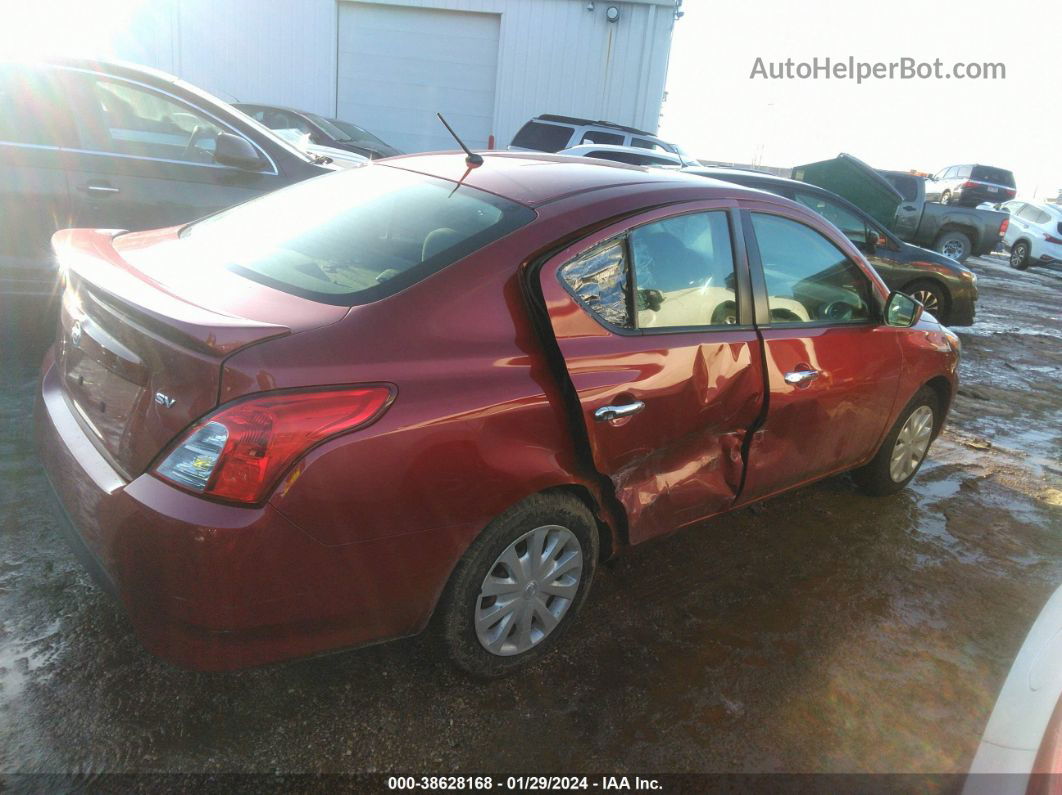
[{"x": 399, "y": 65}]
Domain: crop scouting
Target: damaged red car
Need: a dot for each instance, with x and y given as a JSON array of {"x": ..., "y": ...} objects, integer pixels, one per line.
[{"x": 421, "y": 394}]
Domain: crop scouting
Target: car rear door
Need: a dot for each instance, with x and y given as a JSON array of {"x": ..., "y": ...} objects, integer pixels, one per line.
[
  {"x": 652, "y": 321},
  {"x": 145, "y": 157},
  {"x": 34, "y": 126},
  {"x": 832, "y": 366}
]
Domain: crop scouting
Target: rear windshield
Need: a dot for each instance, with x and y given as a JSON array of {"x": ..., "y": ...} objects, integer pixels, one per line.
[
  {"x": 543, "y": 137},
  {"x": 997, "y": 176},
  {"x": 353, "y": 236}
]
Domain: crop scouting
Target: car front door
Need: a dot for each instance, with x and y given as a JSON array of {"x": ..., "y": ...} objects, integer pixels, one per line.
[
  {"x": 34, "y": 203},
  {"x": 832, "y": 365},
  {"x": 653, "y": 322},
  {"x": 146, "y": 157}
]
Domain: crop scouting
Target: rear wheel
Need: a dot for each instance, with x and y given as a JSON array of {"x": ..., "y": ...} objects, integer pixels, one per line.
[
  {"x": 933, "y": 297},
  {"x": 945, "y": 197},
  {"x": 520, "y": 585},
  {"x": 725, "y": 314},
  {"x": 904, "y": 449},
  {"x": 953, "y": 244},
  {"x": 1019, "y": 255}
]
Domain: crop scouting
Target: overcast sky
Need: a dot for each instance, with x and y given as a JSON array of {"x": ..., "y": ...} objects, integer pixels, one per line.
[{"x": 715, "y": 111}]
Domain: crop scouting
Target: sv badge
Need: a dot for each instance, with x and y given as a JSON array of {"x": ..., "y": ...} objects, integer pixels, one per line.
[{"x": 164, "y": 400}]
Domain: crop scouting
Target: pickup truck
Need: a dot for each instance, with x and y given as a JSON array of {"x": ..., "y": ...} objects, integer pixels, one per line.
[{"x": 898, "y": 201}]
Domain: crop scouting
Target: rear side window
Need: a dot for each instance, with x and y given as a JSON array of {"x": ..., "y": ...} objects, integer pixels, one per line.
[
  {"x": 354, "y": 236},
  {"x": 809, "y": 279},
  {"x": 34, "y": 111},
  {"x": 684, "y": 272},
  {"x": 644, "y": 143},
  {"x": 600, "y": 280},
  {"x": 907, "y": 186},
  {"x": 600, "y": 137},
  {"x": 543, "y": 137},
  {"x": 682, "y": 275},
  {"x": 996, "y": 176},
  {"x": 1030, "y": 212}
]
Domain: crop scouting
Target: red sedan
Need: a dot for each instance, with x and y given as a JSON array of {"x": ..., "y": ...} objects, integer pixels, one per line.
[{"x": 422, "y": 392}]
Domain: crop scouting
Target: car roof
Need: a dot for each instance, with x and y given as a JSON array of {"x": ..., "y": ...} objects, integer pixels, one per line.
[
  {"x": 108, "y": 65},
  {"x": 534, "y": 179},
  {"x": 762, "y": 176}
]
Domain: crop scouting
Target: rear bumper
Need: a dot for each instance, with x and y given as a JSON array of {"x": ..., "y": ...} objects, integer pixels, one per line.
[{"x": 214, "y": 587}]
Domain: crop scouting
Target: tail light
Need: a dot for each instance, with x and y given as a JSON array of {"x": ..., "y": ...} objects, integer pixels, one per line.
[
  {"x": 240, "y": 452},
  {"x": 969, "y": 184},
  {"x": 1004, "y": 226},
  {"x": 1052, "y": 239}
]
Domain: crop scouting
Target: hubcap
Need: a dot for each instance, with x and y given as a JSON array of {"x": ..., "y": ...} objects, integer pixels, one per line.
[
  {"x": 528, "y": 590},
  {"x": 1017, "y": 255},
  {"x": 927, "y": 299},
  {"x": 911, "y": 444},
  {"x": 953, "y": 248}
]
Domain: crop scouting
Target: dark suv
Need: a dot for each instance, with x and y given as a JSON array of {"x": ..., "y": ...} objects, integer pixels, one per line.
[
  {"x": 970, "y": 185},
  {"x": 92, "y": 144}
]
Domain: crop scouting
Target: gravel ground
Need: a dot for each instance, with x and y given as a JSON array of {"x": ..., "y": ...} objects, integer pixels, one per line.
[{"x": 820, "y": 631}]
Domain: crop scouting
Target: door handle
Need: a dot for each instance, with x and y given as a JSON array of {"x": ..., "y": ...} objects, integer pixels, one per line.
[
  {"x": 801, "y": 377},
  {"x": 609, "y": 413},
  {"x": 100, "y": 188},
  {"x": 909, "y": 208}
]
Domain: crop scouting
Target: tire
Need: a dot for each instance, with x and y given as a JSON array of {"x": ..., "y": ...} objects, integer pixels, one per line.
[
  {"x": 933, "y": 296},
  {"x": 953, "y": 244},
  {"x": 565, "y": 525},
  {"x": 725, "y": 314},
  {"x": 945, "y": 197},
  {"x": 1019, "y": 255},
  {"x": 878, "y": 478}
]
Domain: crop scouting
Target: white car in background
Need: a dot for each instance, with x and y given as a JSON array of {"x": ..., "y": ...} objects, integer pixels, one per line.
[
  {"x": 550, "y": 133},
  {"x": 1034, "y": 235},
  {"x": 631, "y": 155},
  {"x": 1024, "y": 733}
]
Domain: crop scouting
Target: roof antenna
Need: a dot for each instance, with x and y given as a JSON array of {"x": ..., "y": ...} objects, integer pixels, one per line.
[{"x": 471, "y": 158}]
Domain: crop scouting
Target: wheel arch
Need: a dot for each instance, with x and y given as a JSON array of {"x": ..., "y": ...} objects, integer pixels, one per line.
[
  {"x": 941, "y": 387},
  {"x": 935, "y": 281},
  {"x": 611, "y": 531},
  {"x": 969, "y": 231}
]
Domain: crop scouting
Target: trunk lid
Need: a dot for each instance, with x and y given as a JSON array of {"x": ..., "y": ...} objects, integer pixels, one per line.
[
  {"x": 142, "y": 337},
  {"x": 852, "y": 179}
]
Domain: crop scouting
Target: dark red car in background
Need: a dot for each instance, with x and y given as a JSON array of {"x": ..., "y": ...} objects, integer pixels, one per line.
[{"x": 320, "y": 418}]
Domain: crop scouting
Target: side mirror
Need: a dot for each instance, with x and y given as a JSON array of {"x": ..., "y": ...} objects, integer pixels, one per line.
[
  {"x": 232, "y": 150},
  {"x": 902, "y": 310}
]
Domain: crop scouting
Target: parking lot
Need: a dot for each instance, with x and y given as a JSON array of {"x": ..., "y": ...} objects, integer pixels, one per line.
[{"x": 822, "y": 631}]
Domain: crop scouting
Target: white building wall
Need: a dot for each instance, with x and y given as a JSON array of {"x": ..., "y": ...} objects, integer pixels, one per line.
[{"x": 555, "y": 56}]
